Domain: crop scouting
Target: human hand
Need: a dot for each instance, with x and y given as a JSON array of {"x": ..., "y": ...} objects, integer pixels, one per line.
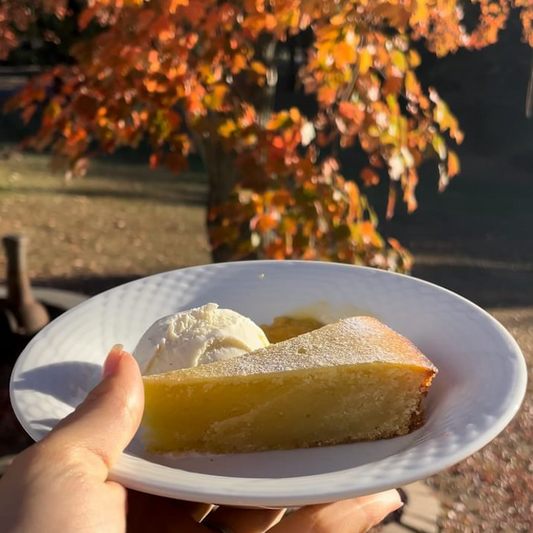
[{"x": 60, "y": 483}]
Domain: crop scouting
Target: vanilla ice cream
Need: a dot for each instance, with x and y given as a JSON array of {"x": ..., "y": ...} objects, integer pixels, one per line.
[{"x": 202, "y": 335}]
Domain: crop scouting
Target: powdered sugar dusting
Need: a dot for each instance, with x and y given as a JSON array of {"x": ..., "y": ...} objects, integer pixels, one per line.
[{"x": 349, "y": 341}]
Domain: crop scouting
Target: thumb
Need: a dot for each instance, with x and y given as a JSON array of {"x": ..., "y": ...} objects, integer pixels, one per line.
[{"x": 103, "y": 425}]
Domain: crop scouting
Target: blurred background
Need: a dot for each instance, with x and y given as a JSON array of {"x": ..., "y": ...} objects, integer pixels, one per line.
[{"x": 136, "y": 140}]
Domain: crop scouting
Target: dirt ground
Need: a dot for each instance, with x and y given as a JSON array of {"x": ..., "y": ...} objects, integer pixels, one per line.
[{"x": 119, "y": 222}]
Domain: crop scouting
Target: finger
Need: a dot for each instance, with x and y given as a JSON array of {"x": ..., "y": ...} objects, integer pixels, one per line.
[
  {"x": 104, "y": 424},
  {"x": 154, "y": 513},
  {"x": 350, "y": 516},
  {"x": 140, "y": 501},
  {"x": 244, "y": 520}
]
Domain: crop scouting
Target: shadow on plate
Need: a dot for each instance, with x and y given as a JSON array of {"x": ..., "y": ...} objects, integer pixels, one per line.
[{"x": 68, "y": 381}]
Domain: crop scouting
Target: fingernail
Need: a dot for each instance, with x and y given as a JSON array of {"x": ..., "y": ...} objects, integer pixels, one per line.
[
  {"x": 112, "y": 361},
  {"x": 393, "y": 497},
  {"x": 390, "y": 498}
]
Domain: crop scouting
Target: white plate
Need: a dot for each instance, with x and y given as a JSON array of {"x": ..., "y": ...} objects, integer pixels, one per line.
[{"x": 479, "y": 388}]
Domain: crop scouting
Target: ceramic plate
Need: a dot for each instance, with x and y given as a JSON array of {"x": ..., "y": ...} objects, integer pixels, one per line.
[{"x": 477, "y": 392}]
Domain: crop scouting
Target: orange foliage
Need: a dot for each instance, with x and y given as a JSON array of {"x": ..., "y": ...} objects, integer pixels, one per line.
[{"x": 175, "y": 71}]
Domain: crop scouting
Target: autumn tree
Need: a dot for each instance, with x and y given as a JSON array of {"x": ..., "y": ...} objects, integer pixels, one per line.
[{"x": 201, "y": 75}]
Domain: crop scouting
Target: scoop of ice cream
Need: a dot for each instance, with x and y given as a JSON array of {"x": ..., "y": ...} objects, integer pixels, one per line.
[{"x": 202, "y": 335}]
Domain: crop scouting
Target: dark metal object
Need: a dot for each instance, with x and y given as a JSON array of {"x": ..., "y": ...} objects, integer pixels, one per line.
[
  {"x": 23, "y": 314},
  {"x": 13, "y": 439},
  {"x": 529, "y": 94}
]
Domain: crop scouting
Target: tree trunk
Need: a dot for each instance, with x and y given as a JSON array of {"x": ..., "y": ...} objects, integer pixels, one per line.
[
  {"x": 222, "y": 171},
  {"x": 223, "y": 175}
]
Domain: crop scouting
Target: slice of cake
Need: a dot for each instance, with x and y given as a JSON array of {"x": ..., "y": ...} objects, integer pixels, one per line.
[{"x": 350, "y": 381}]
